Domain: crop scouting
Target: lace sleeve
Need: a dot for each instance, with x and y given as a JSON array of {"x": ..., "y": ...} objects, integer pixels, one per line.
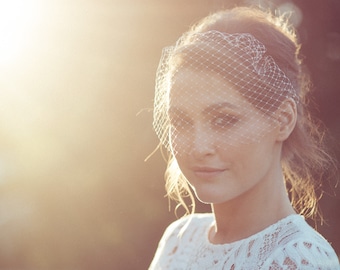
[
  {"x": 167, "y": 245},
  {"x": 303, "y": 255}
]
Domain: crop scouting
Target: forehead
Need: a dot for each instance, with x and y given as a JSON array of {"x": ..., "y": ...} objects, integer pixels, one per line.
[{"x": 201, "y": 89}]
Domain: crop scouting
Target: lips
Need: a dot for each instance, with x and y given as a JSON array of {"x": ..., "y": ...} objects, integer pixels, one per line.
[{"x": 207, "y": 172}]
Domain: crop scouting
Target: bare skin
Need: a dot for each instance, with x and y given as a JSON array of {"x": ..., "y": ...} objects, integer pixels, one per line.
[
  {"x": 247, "y": 215},
  {"x": 242, "y": 180}
]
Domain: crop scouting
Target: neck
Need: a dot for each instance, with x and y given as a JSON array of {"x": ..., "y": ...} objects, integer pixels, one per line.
[{"x": 251, "y": 212}]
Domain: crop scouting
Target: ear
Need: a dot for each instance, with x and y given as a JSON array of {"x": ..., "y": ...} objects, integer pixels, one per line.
[{"x": 286, "y": 116}]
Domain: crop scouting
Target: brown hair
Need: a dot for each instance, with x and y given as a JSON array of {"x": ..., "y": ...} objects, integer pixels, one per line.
[{"x": 304, "y": 159}]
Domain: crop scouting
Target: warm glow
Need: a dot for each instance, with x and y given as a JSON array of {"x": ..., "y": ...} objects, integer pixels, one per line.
[
  {"x": 75, "y": 192},
  {"x": 18, "y": 19}
]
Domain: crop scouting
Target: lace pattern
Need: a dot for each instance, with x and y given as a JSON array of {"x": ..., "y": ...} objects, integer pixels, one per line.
[{"x": 288, "y": 244}]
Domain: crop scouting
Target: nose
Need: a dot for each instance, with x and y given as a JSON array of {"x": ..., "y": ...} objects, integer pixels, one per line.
[{"x": 203, "y": 142}]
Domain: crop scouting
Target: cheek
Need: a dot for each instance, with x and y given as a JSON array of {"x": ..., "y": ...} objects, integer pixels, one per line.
[
  {"x": 244, "y": 156},
  {"x": 180, "y": 142},
  {"x": 255, "y": 159}
]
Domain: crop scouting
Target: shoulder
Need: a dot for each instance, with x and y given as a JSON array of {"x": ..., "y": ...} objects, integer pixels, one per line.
[
  {"x": 301, "y": 247},
  {"x": 176, "y": 236},
  {"x": 188, "y": 223}
]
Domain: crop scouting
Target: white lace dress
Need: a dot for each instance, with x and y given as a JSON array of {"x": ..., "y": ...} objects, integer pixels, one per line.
[{"x": 288, "y": 244}]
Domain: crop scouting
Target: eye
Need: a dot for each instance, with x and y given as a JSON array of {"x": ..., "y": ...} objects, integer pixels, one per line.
[{"x": 224, "y": 120}]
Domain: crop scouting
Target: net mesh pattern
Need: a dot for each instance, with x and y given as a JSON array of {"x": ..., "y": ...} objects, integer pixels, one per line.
[{"x": 217, "y": 89}]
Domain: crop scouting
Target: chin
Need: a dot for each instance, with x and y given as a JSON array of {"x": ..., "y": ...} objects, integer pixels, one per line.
[
  {"x": 216, "y": 195},
  {"x": 210, "y": 198}
]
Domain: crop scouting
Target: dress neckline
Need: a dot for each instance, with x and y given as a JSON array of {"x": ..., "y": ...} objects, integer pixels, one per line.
[{"x": 287, "y": 219}]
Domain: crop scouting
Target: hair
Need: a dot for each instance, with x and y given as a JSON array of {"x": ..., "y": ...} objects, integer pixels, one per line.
[{"x": 304, "y": 157}]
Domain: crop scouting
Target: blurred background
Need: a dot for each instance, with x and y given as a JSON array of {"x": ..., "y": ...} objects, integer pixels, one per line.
[{"x": 76, "y": 92}]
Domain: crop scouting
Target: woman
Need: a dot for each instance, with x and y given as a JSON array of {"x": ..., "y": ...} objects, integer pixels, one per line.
[{"x": 230, "y": 108}]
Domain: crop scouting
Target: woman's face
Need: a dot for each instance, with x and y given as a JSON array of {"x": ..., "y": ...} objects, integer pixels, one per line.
[{"x": 224, "y": 146}]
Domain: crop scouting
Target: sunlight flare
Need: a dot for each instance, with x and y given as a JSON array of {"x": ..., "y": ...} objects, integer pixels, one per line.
[{"x": 18, "y": 21}]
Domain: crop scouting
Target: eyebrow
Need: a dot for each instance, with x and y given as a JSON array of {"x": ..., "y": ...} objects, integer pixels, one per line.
[
  {"x": 219, "y": 106},
  {"x": 209, "y": 109}
]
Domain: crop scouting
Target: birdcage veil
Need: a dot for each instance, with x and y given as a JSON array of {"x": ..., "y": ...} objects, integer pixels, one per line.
[{"x": 237, "y": 61}]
